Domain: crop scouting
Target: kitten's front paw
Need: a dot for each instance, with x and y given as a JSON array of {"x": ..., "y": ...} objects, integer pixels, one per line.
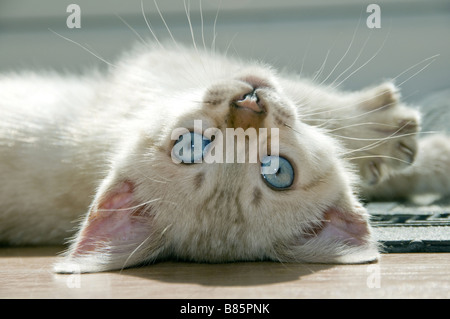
[{"x": 386, "y": 139}]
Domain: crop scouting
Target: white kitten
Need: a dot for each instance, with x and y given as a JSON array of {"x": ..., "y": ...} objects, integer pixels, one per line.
[{"x": 102, "y": 144}]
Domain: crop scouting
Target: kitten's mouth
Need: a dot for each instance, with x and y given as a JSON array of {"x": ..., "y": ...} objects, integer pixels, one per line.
[
  {"x": 250, "y": 101},
  {"x": 246, "y": 111}
]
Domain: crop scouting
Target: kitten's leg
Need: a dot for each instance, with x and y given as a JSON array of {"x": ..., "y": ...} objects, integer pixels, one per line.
[
  {"x": 378, "y": 132},
  {"x": 381, "y": 134},
  {"x": 429, "y": 173}
]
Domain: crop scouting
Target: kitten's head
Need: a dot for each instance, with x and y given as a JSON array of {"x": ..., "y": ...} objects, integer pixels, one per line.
[{"x": 177, "y": 187}]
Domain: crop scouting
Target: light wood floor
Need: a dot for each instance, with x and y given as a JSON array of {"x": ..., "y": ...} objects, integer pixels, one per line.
[{"x": 26, "y": 273}]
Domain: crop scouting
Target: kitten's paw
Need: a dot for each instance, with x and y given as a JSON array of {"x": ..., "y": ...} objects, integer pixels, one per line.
[{"x": 386, "y": 139}]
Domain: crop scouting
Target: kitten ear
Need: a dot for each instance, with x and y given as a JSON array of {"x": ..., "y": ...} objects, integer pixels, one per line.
[
  {"x": 351, "y": 232},
  {"x": 340, "y": 237},
  {"x": 382, "y": 96},
  {"x": 112, "y": 234}
]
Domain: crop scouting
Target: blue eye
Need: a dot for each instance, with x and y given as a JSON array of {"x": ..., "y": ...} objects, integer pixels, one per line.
[
  {"x": 277, "y": 172},
  {"x": 190, "y": 147}
]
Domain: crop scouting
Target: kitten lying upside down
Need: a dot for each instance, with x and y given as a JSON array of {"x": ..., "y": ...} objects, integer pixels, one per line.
[{"x": 100, "y": 147}]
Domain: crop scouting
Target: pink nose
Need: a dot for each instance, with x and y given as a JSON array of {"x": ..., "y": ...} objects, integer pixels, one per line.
[{"x": 250, "y": 101}]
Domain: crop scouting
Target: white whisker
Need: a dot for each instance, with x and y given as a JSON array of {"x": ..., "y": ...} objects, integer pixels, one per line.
[
  {"x": 319, "y": 72},
  {"x": 346, "y": 52},
  {"x": 362, "y": 124},
  {"x": 128, "y": 208},
  {"x": 84, "y": 48},
  {"x": 133, "y": 30},
  {"x": 354, "y": 61},
  {"x": 165, "y": 23},
  {"x": 213, "y": 43},
  {"x": 134, "y": 251},
  {"x": 413, "y": 66},
  {"x": 367, "y": 62},
  {"x": 378, "y": 156},
  {"x": 381, "y": 141},
  {"x": 306, "y": 116},
  {"x": 231, "y": 41},
  {"x": 372, "y": 139},
  {"x": 187, "y": 9},
  {"x": 149, "y": 26},
  {"x": 202, "y": 25},
  {"x": 304, "y": 56},
  {"x": 400, "y": 84}
]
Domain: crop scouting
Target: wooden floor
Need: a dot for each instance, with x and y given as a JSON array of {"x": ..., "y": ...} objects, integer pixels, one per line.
[{"x": 26, "y": 273}]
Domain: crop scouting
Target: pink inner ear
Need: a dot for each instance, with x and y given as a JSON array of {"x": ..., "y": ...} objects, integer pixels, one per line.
[
  {"x": 113, "y": 222},
  {"x": 348, "y": 228},
  {"x": 119, "y": 198}
]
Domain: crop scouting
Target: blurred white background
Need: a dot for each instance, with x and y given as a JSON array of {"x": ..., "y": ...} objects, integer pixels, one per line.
[{"x": 301, "y": 36}]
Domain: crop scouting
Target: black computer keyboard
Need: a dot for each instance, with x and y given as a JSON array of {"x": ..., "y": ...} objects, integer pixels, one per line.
[{"x": 406, "y": 228}]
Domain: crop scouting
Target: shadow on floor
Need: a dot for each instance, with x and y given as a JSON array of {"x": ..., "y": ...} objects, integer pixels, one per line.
[
  {"x": 229, "y": 274},
  {"x": 31, "y": 251}
]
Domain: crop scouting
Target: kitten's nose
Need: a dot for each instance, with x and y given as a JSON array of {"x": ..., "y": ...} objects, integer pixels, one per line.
[{"x": 250, "y": 101}]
